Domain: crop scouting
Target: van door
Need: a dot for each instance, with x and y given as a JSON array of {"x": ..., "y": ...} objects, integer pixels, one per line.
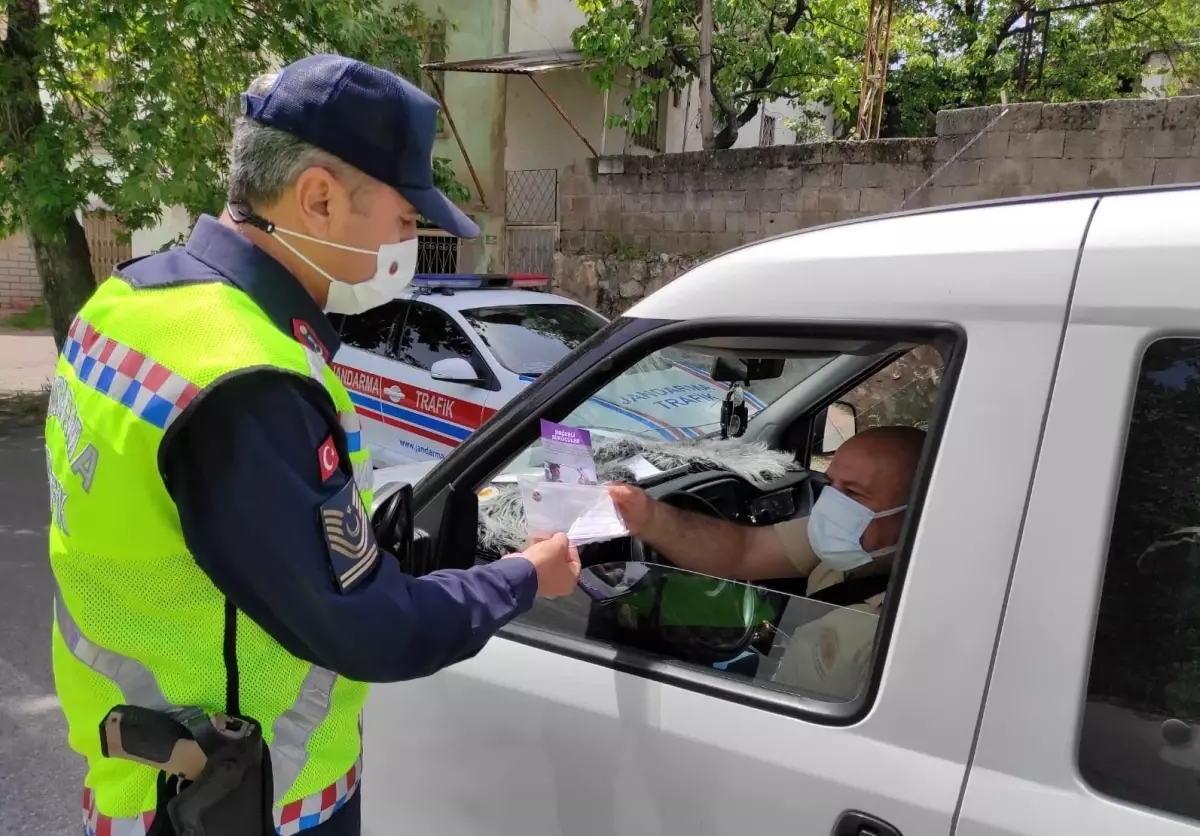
[
  {"x": 576, "y": 721},
  {"x": 1090, "y": 719}
]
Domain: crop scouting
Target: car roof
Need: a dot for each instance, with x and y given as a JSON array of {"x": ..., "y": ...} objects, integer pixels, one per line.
[
  {"x": 954, "y": 263},
  {"x": 466, "y": 299}
]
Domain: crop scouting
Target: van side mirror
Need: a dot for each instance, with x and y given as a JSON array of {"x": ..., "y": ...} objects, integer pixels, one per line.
[
  {"x": 393, "y": 521},
  {"x": 455, "y": 370},
  {"x": 838, "y": 422}
]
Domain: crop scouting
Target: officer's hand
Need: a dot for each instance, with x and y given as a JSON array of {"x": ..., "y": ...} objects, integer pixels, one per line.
[
  {"x": 557, "y": 565},
  {"x": 636, "y": 508}
]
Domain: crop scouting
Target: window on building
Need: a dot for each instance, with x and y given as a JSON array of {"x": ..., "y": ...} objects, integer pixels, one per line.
[
  {"x": 651, "y": 138},
  {"x": 766, "y": 131},
  {"x": 428, "y": 336},
  {"x": 437, "y": 252},
  {"x": 1139, "y": 742}
]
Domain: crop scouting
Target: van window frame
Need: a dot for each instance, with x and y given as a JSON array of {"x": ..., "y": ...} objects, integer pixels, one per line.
[{"x": 447, "y": 493}]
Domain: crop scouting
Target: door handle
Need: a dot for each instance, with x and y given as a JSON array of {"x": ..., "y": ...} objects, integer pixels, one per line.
[{"x": 854, "y": 823}]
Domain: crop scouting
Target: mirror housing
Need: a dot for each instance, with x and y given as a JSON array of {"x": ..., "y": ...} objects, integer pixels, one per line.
[
  {"x": 392, "y": 520},
  {"x": 455, "y": 370},
  {"x": 836, "y": 423},
  {"x": 745, "y": 369}
]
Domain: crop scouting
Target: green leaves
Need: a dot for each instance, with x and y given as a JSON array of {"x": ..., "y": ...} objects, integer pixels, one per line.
[
  {"x": 135, "y": 97},
  {"x": 944, "y": 53}
]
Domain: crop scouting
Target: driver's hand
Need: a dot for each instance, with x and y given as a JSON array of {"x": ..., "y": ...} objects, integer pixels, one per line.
[
  {"x": 635, "y": 507},
  {"x": 557, "y": 565}
]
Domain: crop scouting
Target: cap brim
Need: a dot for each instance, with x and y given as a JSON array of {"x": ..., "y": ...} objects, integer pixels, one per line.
[{"x": 440, "y": 211}]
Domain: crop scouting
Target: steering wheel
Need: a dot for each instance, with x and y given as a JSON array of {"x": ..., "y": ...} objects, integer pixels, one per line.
[{"x": 645, "y": 553}]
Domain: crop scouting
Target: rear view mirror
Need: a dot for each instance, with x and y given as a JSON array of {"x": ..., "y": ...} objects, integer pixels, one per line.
[
  {"x": 745, "y": 369},
  {"x": 393, "y": 521},
  {"x": 838, "y": 423},
  {"x": 454, "y": 370}
]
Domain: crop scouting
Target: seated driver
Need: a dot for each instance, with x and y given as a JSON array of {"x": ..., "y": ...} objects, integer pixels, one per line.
[{"x": 850, "y": 535}]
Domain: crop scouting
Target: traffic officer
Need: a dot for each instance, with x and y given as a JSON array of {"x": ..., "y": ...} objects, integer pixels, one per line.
[{"x": 210, "y": 491}]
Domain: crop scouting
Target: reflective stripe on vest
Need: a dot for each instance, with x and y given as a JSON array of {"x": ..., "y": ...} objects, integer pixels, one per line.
[
  {"x": 291, "y": 818},
  {"x": 290, "y": 731},
  {"x": 127, "y": 376}
]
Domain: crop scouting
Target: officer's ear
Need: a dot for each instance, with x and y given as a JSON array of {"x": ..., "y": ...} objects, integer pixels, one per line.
[{"x": 319, "y": 197}]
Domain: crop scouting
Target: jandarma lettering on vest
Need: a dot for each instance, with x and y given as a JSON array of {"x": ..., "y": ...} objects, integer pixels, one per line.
[{"x": 83, "y": 463}]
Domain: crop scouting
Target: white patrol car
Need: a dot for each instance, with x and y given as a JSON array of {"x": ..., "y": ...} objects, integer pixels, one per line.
[
  {"x": 1034, "y": 666},
  {"x": 426, "y": 370}
]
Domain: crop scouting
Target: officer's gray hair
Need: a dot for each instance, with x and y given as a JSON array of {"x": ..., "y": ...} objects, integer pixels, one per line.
[{"x": 265, "y": 161}]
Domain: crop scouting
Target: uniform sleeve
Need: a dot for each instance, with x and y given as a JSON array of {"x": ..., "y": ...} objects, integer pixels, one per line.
[
  {"x": 255, "y": 504},
  {"x": 793, "y": 534}
]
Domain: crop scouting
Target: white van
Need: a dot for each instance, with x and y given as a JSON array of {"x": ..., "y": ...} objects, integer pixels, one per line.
[{"x": 1035, "y": 668}]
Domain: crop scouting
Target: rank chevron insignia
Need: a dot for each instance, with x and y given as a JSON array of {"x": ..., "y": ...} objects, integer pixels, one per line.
[{"x": 352, "y": 547}]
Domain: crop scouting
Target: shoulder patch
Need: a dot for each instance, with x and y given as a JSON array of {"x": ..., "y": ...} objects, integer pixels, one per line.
[
  {"x": 349, "y": 537},
  {"x": 306, "y": 335},
  {"x": 327, "y": 458}
]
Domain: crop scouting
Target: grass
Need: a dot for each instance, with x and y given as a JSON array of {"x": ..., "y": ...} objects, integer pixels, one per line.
[
  {"x": 19, "y": 408},
  {"x": 36, "y": 318}
]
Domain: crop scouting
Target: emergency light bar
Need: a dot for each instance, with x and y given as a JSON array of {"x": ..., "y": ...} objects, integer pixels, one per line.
[{"x": 479, "y": 281}]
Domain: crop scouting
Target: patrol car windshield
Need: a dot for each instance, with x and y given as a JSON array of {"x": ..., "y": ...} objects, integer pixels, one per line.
[{"x": 529, "y": 339}]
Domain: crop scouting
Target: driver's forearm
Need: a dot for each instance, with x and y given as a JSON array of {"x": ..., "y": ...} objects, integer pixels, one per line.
[{"x": 716, "y": 547}]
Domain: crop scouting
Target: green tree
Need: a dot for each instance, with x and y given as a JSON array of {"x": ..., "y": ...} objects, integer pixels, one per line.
[
  {"x": 972, "y": 51},
  {"x": 128, "y": 102},
  {"x": 802, "y": 50}
]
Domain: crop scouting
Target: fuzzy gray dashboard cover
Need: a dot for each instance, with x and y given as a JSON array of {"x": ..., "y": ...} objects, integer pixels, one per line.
[{"x": 502, "y": 517}]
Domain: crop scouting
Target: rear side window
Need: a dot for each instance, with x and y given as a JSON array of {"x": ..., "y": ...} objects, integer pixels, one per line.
[
  {"x": 428, "y": 336},
  {"x": 371, "y": 331},
  {"x": 1139, "y": 741},
  {"x": 529, "y": 339}
]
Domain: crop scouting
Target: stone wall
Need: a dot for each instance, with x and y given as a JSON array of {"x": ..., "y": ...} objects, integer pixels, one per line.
[
  {"x": 617, "y": 226},
  {"x": 20, "y": 287}
]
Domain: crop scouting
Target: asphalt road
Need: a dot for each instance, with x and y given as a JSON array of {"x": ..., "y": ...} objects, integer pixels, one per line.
[{"x": 40, "y": 778}]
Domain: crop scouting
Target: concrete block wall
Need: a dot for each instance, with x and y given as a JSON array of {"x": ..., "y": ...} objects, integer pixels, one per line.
[
  {"x": 20, "y": 286},
  {"x": 699, "y": 203}
]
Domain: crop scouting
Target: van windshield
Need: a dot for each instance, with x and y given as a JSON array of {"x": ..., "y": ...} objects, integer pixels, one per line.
[{"x": 529, "y": 339}]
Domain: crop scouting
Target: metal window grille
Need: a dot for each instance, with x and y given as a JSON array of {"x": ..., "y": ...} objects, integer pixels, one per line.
[
  {"x": 651, "y": 138},
  {"x": 437, "y": 252},
  {"x": 766, "y": 131},
  {"x": 106, "y": 249},
  {"x": 531, "y": 196},
  {"x": 531, "y": 215}
]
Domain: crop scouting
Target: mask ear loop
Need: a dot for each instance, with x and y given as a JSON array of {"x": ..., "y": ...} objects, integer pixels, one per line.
[{"x": 884, "y": 552}]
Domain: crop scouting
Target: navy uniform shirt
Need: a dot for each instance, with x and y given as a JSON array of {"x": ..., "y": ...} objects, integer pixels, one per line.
[{"x": 251, "y": 509}]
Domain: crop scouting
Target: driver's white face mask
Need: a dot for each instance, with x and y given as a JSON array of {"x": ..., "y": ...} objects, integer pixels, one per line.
[
  {"x": 395, "y": 265},
  {"x": 835, "y": 530}
]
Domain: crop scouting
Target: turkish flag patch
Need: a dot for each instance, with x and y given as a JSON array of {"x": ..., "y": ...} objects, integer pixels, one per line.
[{"x": 327, "y": 458}]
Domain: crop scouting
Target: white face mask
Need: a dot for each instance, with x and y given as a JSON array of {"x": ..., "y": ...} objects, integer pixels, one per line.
[
  {"x": 394, "y": 269},
  {"x": 835, "y": 530}
]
